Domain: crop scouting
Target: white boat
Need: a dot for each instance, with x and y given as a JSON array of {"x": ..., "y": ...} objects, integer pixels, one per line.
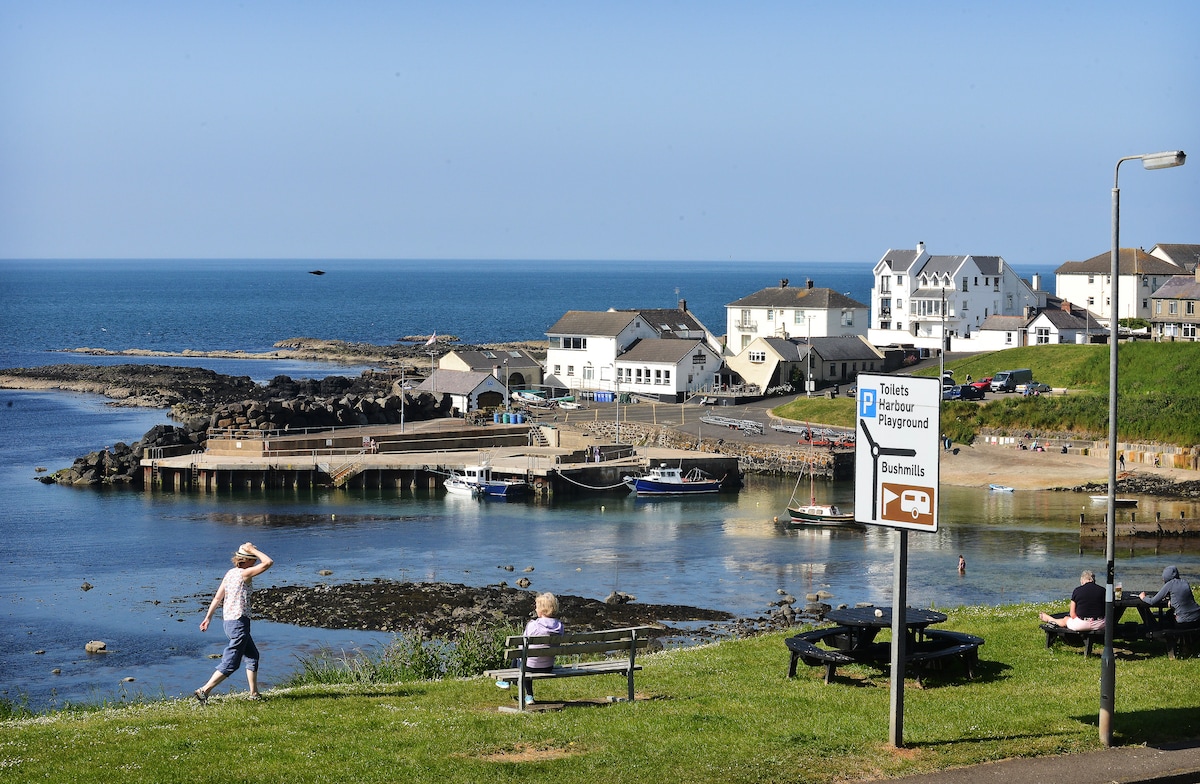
[
  {"x": 1101, "y": 499},
  {"x": 813, "y": 513},
  {"x": 478, "y": 481},
  {"x": 665, "y": 480},
  {"x": 1000, "y": 488}
]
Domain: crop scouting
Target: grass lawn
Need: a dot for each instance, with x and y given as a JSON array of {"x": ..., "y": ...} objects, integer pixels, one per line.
[{"x": 724, "y": 712}]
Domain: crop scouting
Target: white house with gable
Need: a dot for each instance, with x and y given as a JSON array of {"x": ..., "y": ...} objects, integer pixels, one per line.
[
  {"x": 786, "y": 311},
  {"x": 1139, "y": 275},
  {"x": 928, "y": 301},
  {"x": 587, "y": 349}
]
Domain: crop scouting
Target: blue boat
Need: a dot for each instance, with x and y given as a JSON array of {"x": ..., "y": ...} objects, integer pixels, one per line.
[{"x": 664, "y": 480}]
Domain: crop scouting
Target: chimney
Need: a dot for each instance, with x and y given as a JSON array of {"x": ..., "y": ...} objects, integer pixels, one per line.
[
  {"x": 1037, "y": 281},
  {"x": 920, "y": 248},
  {"x": 809, "y": 283},
  {"x": 1028, "y": 311},
  {"x": 683, "y": 305}
]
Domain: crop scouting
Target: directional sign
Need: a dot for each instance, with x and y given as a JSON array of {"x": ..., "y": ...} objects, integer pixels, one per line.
[{"x": 897, "y": 451}]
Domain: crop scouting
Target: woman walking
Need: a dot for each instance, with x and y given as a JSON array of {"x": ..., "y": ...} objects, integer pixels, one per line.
[{"x": 234, "y": 599}]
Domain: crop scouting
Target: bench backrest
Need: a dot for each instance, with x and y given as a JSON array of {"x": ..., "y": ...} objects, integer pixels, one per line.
[{"x": 610, "y": 640}]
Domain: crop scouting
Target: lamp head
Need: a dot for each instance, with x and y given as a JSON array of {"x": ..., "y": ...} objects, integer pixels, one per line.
[{"x": 1164, "y": 160}]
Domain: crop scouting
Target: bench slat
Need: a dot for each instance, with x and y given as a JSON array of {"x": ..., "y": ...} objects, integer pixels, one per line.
[{"x": 571, "y": 650}]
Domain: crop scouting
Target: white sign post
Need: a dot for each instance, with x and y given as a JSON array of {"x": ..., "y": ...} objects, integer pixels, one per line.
[{"x": 896, "y": 459}]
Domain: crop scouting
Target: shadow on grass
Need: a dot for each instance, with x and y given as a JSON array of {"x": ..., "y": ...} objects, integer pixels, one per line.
[
  {"x": 332, "y": 692},
  {"x": 1159, "y": 728}
]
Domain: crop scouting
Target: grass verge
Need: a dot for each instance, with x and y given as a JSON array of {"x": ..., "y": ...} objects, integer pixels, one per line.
[{"x": 724, "y": 712}]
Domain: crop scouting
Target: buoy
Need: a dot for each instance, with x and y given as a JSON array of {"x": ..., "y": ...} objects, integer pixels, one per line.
[
  {"x": 601, "y": 508},
  {"x": 332, "y": 517}
]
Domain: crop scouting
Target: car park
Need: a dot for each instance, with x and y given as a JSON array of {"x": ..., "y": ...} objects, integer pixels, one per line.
[
  {"x": 962, "y": 392},
  {"x": 1037, "y": 388}
]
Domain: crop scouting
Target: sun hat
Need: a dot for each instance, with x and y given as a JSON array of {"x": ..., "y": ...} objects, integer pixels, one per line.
[{"x": 243, "y": 554}]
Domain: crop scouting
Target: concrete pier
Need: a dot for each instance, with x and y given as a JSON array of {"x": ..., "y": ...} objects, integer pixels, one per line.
[{"x": 418, "y": 457}]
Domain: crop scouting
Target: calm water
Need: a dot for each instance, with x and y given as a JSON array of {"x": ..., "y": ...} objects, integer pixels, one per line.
[{"x": 155, "y": 559}]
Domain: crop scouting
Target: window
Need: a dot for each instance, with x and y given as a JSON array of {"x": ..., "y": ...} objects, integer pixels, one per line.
[
  {"x": 1189, "y": 307},
  {"x": 770, "y": 315},
  {"x": 745, "y": 341},
  {"x": 1091, "y": 301},
  {"x": 667, "y": 377},
  {"x": 1008, "y": 338},
  {"x": 555, "y": 341},
  {"x": 899, "y": 280},
  {"x": 1157, "y": 306},
  {"x": 885, "y": 284},
  {"x": 847, "y": 318},
  {"x": 1091, "y": 278},
  {"x": 757, "y": 356},
  {"x": 1189, "y": 331},
  {"x": 1043, "y": 335},
  {"x": 699, "y": 358},
  {"x": 570, "y": 370},
  {"x": 1145, "y": 304},
  {"x": 558, "y": 370},
  {"x": 576, "y": 344},
  {"x": 900, "y": 305},
  {"x": 1172, "y": 308},
  {"x": 658, "y": 377},
  {"x": 964, "y": 288},
  {"x": 1145, "y": 282},
  {"x": 800, "y": 317},
  {"x": 885, "y": 325},
  {"x": 588, "y": 372}
]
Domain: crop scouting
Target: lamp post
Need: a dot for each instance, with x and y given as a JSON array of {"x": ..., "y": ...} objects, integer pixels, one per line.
[
  {"x": 505, "y": 363},
  {"x": 617, "y": 392},
  {"x": 1108, "y": 669},
  {"x": 942, "y": 350}
]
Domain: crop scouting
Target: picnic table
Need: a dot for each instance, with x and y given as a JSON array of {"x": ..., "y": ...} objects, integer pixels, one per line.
[
  {"x": 853, "y": 641},
  {"x": 1150, "y": 625}
]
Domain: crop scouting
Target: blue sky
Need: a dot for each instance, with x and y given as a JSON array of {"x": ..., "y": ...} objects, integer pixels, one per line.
[{"x": 805, "y": 131}]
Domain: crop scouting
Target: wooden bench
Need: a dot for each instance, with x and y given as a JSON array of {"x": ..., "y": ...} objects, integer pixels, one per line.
[
  {"x": 804, "y": 648},
  {"x": 940, "y": 646},
  {"x": 619, "y": 646},
  {"x": 1180, "y": 642},
  {"x": 1089, "y": 638}
]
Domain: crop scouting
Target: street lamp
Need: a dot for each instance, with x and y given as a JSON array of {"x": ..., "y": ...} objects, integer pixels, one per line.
[
  {"x": 1108, "y": 668},
  {"x": 505, "y": 363},
  {"x": 808, "y": 381}
]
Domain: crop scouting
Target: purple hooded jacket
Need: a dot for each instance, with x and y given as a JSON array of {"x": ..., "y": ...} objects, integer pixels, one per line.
[{"x": 542, "y": 627}]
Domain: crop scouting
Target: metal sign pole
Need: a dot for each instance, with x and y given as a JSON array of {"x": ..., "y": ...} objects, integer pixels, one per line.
[{"x": 899, "y": 629}]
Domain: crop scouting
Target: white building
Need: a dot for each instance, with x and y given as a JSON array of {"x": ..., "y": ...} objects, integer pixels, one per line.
[
  {"x": 786, "y": 312},
  {"x": 920, "y": 300},
  {"x": 585, "y": 346},
  {"x": 1089, "y": 283}
]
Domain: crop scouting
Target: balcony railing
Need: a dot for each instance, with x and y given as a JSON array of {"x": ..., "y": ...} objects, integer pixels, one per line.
[{"x": 750, "y": 326}]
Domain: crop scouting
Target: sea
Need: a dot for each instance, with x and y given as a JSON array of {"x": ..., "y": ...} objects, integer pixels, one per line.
[{"x": 137, "y": 570}]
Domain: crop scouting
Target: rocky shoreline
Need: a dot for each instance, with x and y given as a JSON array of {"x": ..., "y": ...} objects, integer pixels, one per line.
[{"x": 444, "y": 610}]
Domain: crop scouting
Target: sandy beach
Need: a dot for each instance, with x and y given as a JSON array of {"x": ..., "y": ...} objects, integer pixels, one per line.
[{"x": 982, "y": 464}]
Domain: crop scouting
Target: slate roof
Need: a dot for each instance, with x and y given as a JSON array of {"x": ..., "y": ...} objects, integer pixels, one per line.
[
  {"x": 608, "y": 323},
  {"x": 900, "y": 260},
  {"x": 486, "y": 359},
  {"x": 670, "y": 351},
  {"x": 1063, "y": 320},
  {"x": 1004, "y": 323},
  {"x": 669, "y": 321},
  {"x": 453, "y": 382},
  {"x": 1178, "y": 287},
  {"x": 1185, "y": 255},
  {"x": 844, "y": 347},
  {"x": 796, "y": 297},
  {"x": 1130, "y": 261},
  {"x": 788, "y": 349}
]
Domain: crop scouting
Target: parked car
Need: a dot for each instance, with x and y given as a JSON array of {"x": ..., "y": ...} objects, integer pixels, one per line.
[
  {"x": 1037, "y": 388},
  {"x": 971, "y": 392},
  {"x": 962, "y": 392},
  {"x": 983, "y": 383}
]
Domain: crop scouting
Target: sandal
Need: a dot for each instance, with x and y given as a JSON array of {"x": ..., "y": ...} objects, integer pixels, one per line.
[{"x": 200, "y": 696}]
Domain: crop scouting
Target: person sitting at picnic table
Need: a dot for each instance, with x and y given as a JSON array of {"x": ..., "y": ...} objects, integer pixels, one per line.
[
  {"x": 1183, "y": 604},
  {"x": 1086, "y": 612}
]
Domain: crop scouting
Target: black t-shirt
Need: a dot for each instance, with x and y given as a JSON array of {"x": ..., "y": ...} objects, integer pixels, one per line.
[{"x": 1089, "y": 601}]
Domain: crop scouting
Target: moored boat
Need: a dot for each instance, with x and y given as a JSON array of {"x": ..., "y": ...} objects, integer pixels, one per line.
[
  {"x": 665, "y": 480},
  {"x": 478, "y": 481},
  {"x": 821, "y": 514},
  {"x": 1000, "y": 488},
  {"x": 1100, "y": 499}
]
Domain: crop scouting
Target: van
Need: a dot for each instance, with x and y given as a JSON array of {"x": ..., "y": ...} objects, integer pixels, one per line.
[{"x": 1009, "y": 380}]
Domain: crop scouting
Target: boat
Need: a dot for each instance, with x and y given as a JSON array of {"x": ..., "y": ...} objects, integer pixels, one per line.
[
  {"x": 478, "y": 481},
  {"x": 1000, "y": 488},
  {"x": 665, "y": 480},
  {"x": 316, "y": 272},
  {"x": 1101, "y": 499},
  {"x": 569, "y": 405},
  {"x": 813, "y": 513}
]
